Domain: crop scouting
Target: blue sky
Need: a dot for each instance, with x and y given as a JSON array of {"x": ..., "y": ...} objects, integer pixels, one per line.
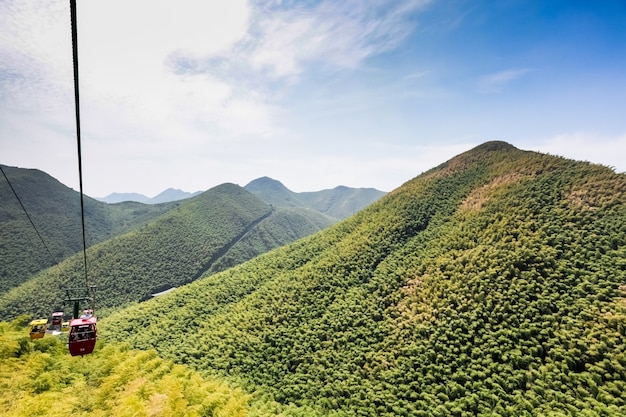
[{"x": 362, "y": 93}]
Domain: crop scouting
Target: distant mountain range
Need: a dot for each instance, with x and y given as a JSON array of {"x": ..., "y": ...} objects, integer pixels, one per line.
[
  {"x": 239, "y": 224},
  {"x": 339, "y": 202},
  {"x": 171, "y": 194}
]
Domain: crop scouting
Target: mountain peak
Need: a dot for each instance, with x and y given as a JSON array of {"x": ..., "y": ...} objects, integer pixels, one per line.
[
  {"x": 266, "y": 183},
  {"x": 494, "y": 145}
]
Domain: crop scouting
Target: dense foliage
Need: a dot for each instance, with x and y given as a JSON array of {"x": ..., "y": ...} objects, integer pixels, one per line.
[
  {"x": 55, "y": 211},
  {"x": 211, "y": 232},
  {"x": 283, "y": 226},
  {"x": 39, "y": 378},
  {"x": 490, "y": 285},
  {"x": 170, "y": 251},
  {"x": 339, "y": 203}
]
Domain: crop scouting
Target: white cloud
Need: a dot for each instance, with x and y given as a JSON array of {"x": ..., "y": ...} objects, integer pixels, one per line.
[
  {"x": 495, "y": 82},
  {"x": 590, "y": 147},
  {"x": 33, "y": 54},
  {"x": 341, "y": 34},
  {"x": 165, "y": 82}
]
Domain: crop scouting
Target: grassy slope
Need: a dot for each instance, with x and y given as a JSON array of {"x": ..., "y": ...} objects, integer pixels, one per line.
[
  {"x": 55, "y": 211},
  {"x": 489, "y": 285}
]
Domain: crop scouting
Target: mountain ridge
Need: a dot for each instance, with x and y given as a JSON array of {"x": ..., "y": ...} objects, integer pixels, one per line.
[
  {"x": 165, "y": 196},
  {"x": 489, "y": 285},
  {"x": 339, "y": 202},
  {"x": 55, "y": 210}
]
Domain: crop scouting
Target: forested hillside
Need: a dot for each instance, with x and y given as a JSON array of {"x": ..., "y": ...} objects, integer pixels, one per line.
[
  {"x": 339, "y": 203},
  {"x": 282, "y": 226},
  {"x": 493, "y": 284},
  {"x": 220, "y": 228},
  {"x": 55, "y": 211},
  {"x": 174, "y": 249}
]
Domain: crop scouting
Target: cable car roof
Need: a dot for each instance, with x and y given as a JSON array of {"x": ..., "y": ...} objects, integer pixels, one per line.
[{"x": 79, "y": 322}]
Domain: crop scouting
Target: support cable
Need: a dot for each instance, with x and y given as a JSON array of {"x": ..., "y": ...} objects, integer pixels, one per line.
[{"x": 77, "y": 105}]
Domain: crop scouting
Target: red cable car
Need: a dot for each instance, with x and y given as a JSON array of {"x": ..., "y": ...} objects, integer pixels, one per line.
[
  {"x": 83, "y": 335},
  {"x": 56, "y": 320}
]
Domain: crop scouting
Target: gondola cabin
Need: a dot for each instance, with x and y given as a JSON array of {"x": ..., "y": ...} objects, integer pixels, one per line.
[
  {"x": 56, "y": 320},
  {"x": 65, "y": 326},
  {"x": 38, "y": 328},
  {"x": 83, "y": 335}
]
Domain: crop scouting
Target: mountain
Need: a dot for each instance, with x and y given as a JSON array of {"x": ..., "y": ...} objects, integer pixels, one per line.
[
  {"x": 273, "y": 192},
  {"x": 340, "y": 202},
  {"x": 220, "y": 228},
  {"x": 171, "y": 194},
  {"x": 492, "y": 284},
  {"x": 121, "y": 197},
  {"x": 54, "y": 209}
]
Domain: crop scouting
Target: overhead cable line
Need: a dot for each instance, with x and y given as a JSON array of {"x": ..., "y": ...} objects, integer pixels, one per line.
[{"x": 77, "y": 105}]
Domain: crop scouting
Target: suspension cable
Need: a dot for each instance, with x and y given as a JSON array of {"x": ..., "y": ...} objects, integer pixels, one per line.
[{"x": 77, "y": 105}]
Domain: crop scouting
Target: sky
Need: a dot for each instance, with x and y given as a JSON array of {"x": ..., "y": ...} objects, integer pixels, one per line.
[{"x": 190, "y": 94}]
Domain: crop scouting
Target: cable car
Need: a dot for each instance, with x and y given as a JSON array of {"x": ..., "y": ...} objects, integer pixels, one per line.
[
  {"x": 38, "y": 328},
  {"x": 65, "y": 326},
  {"x": 56, "y": 320},
  {"x": 83, "y": 335}
]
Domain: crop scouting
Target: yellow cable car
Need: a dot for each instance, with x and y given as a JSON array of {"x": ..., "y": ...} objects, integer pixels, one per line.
[
  {"x": 38, "y": 328},
  {"x": 65, "y": 326}
]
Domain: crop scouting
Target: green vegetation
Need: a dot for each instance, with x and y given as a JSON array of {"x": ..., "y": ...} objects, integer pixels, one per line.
[
  {"x": 55, "y": 211},
  {"x": 283, "y": 226},
  {"x": 339, "y": 203},
  {"x": 490, "y": 285},
  {"x": 39, "y": 378},
  {"x": 170, "y": 251},
  {"x": 211, "y": 232}
]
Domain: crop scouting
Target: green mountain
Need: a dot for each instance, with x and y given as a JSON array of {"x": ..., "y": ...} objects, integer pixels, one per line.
[
  {"x": 340, "y": 202},
  {"x": 55, "y": 211},
  {"x": 171, "y": 194},
  {"x": 273, "y": 192},
  {"x": 211, "y": 232},
  {"x": 493, "y": 284}
]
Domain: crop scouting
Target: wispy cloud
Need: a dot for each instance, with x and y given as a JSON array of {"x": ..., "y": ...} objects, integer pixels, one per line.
[
  {"x": 590, "y": 147},
  {"x": 416, "y": 75},
  {"x": 204, "y": 73},
  {"x": 497, "y": 81},
  {"x": 286, "y": 37},
  {"x": 31, "y": 56}
]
